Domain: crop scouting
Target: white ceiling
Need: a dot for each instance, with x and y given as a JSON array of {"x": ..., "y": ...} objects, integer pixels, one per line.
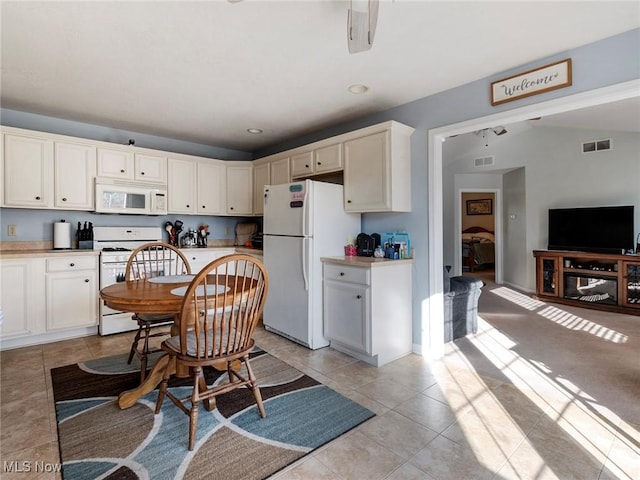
[{"x": 207, "y": 71}]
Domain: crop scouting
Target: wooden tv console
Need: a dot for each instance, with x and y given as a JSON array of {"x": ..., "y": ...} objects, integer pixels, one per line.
[{"x": 608, "y": 282}]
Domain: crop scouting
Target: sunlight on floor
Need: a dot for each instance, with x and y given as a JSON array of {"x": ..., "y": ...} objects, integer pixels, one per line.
[
  {"x": 580, "y": 417},
  {"x": 560, "y": 316},
  {"x": 518, "y": 298}
]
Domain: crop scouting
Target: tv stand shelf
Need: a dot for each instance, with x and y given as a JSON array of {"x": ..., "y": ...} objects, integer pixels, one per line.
[{"x": 608, "y": 282}]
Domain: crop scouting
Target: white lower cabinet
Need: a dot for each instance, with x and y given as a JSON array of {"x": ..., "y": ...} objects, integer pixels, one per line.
[
  {"x": 200, "y": 258},
  {"x": 367, "y": 308},
  {"x": 45, "y": 299},
  {"x": 21, "y": 299},
  {"x": 72, "y": 292}
]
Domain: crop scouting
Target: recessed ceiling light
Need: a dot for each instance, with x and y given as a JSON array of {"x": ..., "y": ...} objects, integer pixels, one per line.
[
  {"x": 255, "y": 131},
  {"x": 358, "y": 88}
]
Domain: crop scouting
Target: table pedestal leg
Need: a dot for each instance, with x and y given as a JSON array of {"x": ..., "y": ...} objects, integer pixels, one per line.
[{"x": 128, "y": 398}]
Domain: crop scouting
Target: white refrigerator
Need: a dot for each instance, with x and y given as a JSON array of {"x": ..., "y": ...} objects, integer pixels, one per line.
[{"x": 303, "y": 221}]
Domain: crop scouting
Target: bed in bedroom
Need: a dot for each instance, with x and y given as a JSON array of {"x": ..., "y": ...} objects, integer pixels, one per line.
[{"x": 478, "y": 249}]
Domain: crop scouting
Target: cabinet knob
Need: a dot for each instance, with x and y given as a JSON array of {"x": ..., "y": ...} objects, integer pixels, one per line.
[
  {"x": 230, "y": 208},
  {"x": 122, "y": 171},
  {"x": 86, "y": 280},
  {"x": 188, "y": 206},
  {"x": 204, "y": 206},
  {"x": 64, "y": 199},
  {"x": 72, "y": 264},
  {"x": 38, "y": 197},
  {"x": 358, "y": 297},
  {"x": 141, "y": 173},
  {"x": 348, "y": 201},
  {"x": 319, "y": 163},
  {"x": 342, "y": 274},
  {"x": 306, "y": 166}
]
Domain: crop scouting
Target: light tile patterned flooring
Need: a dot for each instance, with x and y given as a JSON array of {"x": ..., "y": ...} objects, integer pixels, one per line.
[{"x": 435, "y": 420}]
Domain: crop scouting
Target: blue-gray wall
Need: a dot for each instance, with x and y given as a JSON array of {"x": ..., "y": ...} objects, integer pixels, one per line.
[
  {"x": 600, "y": 64},
  {"x": 42, "y": 123}
]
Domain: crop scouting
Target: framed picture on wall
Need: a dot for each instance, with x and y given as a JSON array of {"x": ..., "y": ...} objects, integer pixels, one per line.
[{"x": 480, "y": 207}]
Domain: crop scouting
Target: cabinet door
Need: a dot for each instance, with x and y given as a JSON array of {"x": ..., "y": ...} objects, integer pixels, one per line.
[
  {"x": 181, "y": 185},
  {"x": 366, "y": 174},
  {"x": 261, "y": 178},
  {"x": 280, "y": 172},
  {"x": 239, "y": 190},
  {"x": 346, "y": 318},
  {"x": 211, "y": 188},
  {"x": 28, "y": 168},
  {"x": 150, "y": 167},
  {"x": 302, "y": 164},
  {"x": 72, "y": 299},
  {"x": 115, "y": 163},
  {"x": 631, "y": 284},
  {"x": 21, "y": 299},
  {"x": 548, "y": 276},
  {"x": 328, "y": 159},
  {"x": 74, "y": 171}
]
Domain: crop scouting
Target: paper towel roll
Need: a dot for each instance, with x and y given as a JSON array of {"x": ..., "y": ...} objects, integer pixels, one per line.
[{"x": 61, "y": 235}]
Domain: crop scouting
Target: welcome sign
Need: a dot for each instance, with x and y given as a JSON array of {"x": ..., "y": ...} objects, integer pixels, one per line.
[{"x": 533, "y": 82}]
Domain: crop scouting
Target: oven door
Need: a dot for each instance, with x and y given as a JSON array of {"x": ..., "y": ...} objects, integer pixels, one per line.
[{"x": 113, "y": 321}]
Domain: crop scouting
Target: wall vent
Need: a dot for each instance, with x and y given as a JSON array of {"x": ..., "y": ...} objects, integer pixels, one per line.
[
  {"x": 483, "y": 161},
  {"x": 596, "y": 146}
]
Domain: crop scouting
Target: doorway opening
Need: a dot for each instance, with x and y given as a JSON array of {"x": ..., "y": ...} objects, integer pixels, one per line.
[
  {"x": 432, "y": 340},
  {"x": 478, "y": 234}
]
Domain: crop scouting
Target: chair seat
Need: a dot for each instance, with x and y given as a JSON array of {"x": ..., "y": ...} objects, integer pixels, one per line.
[
  {"x": 153, "y": 317},
  {"x": 174, "y": 344}
]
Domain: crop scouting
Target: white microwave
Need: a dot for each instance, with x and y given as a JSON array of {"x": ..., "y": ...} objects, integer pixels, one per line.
[{"x": 127, "y": 196}]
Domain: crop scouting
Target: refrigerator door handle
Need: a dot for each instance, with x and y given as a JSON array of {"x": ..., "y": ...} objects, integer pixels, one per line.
[{"x": 305, "y": 243}]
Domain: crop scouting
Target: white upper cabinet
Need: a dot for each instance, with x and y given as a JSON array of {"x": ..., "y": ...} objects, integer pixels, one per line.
[
  {"x": 314, "y": 162},
  {"x": 261, "y": 177},
  {"x": 280, "y": 172},
  {"x": 328, "y": 159},
  {"x": 211, "y": 188},
  {"x": 28, "y": 171},
  {"x": 74, "y": 170},
  {"x": 182, "y": 185},
  {"x": 239, "y": 188},
  {"x": 152, "y": 168},
  {"x": 115, "y": 163},
  {"x": 377, "y": 171},
  {"x": 129, "y": 165},
  {"x": 302, "y": 164},
  {"x": 375, "y": 163}
]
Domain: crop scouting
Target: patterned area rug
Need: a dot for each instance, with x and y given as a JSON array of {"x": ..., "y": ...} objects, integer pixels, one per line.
[{"x": 97, "y": 439}]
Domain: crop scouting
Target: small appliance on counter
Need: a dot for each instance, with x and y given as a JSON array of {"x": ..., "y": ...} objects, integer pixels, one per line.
[{"x": 365, "y": 245}]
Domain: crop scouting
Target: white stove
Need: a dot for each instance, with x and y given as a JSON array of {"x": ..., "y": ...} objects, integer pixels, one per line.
[{"x": 115, "y": 245}]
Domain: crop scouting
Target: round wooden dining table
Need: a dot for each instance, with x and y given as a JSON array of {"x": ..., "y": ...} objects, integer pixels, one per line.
[{"x": 155, "y": 295}]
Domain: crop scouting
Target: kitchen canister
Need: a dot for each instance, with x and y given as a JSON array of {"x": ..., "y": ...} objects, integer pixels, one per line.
[{"x": 61, "y": 235}]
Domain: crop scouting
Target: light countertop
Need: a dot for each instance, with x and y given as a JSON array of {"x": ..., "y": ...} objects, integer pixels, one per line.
[{"x": 364, "y": 261}]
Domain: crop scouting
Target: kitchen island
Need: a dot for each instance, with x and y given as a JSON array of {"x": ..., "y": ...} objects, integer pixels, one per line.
[{"x": 368, "y": 307}]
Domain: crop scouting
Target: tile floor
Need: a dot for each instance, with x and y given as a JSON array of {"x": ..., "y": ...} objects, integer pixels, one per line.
[{"x": 435, "y": 420}]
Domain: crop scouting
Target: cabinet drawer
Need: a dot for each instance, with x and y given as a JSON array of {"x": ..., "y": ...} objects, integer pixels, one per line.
[
  {"x": 347, "y": 274},
  {"x": 67, "y": 264}
]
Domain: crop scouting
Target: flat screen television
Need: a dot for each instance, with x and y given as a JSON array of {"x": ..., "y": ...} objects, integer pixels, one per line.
[{"x": 594, "y": 229}]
